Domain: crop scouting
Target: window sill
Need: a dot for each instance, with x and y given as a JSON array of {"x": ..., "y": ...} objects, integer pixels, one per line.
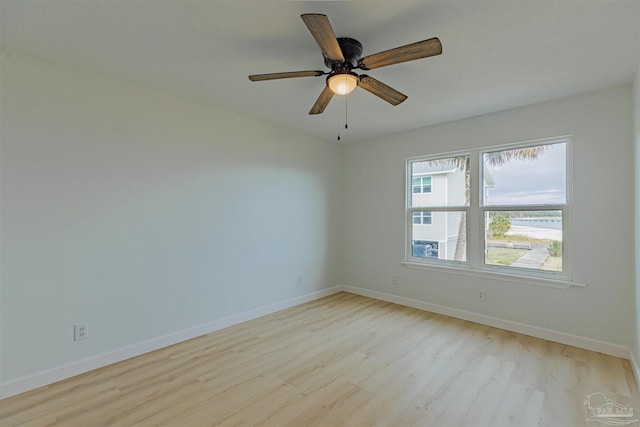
[{"x": 527, "y": 280}]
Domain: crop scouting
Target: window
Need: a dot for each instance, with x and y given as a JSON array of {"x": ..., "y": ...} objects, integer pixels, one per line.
[
  {"x": 443, "y": 207},
  {"x": 422, "y": 184},
  {"x": 501, "y": 209},
  {"x": 422, "y": 217}
]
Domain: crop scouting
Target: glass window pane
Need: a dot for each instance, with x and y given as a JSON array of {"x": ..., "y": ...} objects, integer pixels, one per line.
[
  {"x": 425, "y": 249},
  {"x": 443, "y": 182},
  {"x": 446, "y": 236},
  {"x": 533, "y": 175},
  {"x": 524, "y": 239}
]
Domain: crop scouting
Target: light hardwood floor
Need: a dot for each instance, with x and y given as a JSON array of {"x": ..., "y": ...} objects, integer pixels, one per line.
[{"x": 340, "y": 360}]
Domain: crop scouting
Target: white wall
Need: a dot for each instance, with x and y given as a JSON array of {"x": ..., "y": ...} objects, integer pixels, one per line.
[
  {"x": 144, "y": 214},
  {"x": 603, "y": 216}
]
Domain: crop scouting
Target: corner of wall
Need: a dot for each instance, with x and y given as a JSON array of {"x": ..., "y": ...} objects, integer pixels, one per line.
[{"x": 634, "y": 339}]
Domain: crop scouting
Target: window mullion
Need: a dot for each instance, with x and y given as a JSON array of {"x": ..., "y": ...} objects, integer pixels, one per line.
[{"x": 474, "y": 239}]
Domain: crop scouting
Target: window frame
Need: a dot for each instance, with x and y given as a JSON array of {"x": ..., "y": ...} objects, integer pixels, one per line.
[{"x": 475, "y": 222}]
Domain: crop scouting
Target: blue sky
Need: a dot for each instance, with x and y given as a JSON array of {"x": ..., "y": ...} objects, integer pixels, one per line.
[{"x": 541, "y": 181}]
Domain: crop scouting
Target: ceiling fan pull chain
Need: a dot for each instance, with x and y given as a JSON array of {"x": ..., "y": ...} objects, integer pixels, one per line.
[
  {"x": 338, "y": 121},
  {"x": 346, "y": 95},
  {"x": 346, "y": 113}
]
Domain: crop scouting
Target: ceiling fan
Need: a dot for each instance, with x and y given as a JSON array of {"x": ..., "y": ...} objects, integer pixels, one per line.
[{"x": 342, "y": 55}]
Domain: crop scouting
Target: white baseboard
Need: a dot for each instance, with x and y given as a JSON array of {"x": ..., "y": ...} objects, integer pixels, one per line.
[
  {"x": 534, "y": 331},
  {"x": 59, "y": 373}
]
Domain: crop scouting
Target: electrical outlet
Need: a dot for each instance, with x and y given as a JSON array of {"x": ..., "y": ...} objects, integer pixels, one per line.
[
  {"x": 299, "y": 280},
  {"x": 80, "y": 331},
  {"x": 482, "y": 295},
  {"x": 394, "y": 280}
]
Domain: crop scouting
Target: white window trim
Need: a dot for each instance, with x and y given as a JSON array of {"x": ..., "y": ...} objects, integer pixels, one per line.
[
  {"x": 474, "y": 265},
  {"x": 512, "y": 278}
]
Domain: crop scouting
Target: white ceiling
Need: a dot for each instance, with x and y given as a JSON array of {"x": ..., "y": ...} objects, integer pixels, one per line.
[{"x": 496, "y": 54}]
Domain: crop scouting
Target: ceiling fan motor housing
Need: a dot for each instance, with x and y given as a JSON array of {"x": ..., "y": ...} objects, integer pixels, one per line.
[{"x": 351, "y": 50}]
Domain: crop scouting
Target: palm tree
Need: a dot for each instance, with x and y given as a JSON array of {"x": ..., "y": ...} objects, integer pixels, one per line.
[{"x": 495, "y": 158}]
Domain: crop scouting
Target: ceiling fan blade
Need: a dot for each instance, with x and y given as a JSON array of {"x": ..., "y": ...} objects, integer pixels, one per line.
[
  {"x": 322, "y": 101},
  {"x": 321, "y": 30},
  {"x": 381, "y": 90},
  {"x": 287, "y": 75},
  {"x": 410, "y": 52}
]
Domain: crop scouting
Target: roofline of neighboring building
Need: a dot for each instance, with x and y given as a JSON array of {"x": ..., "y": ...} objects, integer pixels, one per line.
[
  {"x": 435, "y": 172},
  {"x": 488, "y": 178}
]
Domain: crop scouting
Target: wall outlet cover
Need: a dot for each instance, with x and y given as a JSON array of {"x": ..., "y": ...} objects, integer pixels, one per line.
[{"x": 80, "y": 331}]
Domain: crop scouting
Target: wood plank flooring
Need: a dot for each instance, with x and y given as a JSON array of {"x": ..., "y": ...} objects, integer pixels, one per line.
[{"x": 343, "y": 360}]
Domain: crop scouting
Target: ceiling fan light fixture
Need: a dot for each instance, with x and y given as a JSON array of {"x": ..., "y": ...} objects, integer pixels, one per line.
[{"x": 342, "y": 83}]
